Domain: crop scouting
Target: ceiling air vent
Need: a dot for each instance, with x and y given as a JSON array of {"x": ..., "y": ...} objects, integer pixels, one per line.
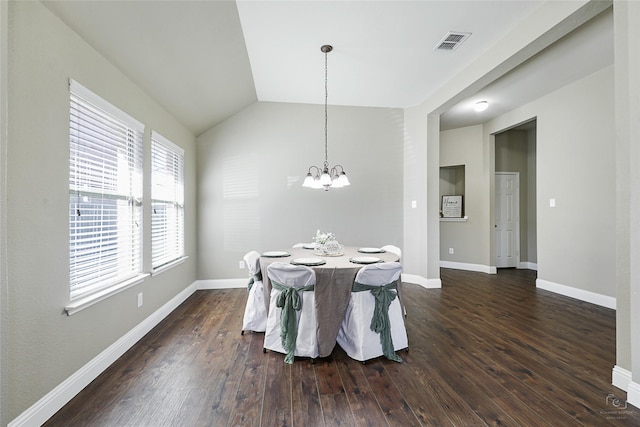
[{"x": 451, "y": 41}]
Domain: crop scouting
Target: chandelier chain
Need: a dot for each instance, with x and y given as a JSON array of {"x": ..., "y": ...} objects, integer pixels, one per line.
[{"x": 326, "y": 97}]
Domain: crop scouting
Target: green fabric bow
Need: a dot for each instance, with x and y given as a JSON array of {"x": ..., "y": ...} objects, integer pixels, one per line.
[
  {"x": 289, "y": 301},
  {"x": 255, "y": 278},
  {"x": 380, "y": 323}
]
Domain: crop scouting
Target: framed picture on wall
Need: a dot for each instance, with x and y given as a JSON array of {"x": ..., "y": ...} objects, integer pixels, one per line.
[{"x": 452, "y": 206}]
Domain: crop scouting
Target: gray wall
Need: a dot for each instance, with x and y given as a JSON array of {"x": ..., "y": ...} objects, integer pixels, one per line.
[
  {"x": 575, "y": 161},
  {"x": 627, "y": 148},
  {"x": 575, "y": 166},
  {"x": 45, "y": 346},
  {"x": 250, "y": 172},
  {"x": 468, "y": 239}
]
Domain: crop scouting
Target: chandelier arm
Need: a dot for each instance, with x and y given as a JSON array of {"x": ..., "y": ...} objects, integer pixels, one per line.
[{"x": 318, "y": 170}]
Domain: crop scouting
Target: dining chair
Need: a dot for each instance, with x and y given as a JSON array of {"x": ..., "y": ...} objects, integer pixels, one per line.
[
  {"x": 255, "y": 311},
  {"x": 396, "y": 250},
  {"x": 393, "y": 249},
  {"x": 373, "y": 325},
  {"x": 291, "y": 321}
]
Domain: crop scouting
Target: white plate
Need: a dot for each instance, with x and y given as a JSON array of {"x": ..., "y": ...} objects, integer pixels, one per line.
[
  {"x": 371, "y": 250},
  {"x": 275, "y": 254},
  {"x": 309, "y": 245},
  {"x": 308, "y": 261},
  {"x": 365, "y": 259}
]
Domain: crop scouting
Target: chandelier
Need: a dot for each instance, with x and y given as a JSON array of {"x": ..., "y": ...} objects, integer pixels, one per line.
[{"x": 326, "y": 177}]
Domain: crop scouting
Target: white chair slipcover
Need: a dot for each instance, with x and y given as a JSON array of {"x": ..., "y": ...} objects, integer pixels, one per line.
[
  {"x": 306, "y": 340},
  {"x": 255, "y": 312},
  {"x": 396, "y": 250},
  {"x": 356, "y": 337},
  {"x": 393, "y": 249}
]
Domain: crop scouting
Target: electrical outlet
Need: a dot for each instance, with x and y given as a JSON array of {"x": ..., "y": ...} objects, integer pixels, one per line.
[
  {"x": 140, "y": 299},
  {"x": 450, "y": 251},
  {"x": 241, "y": 265}
]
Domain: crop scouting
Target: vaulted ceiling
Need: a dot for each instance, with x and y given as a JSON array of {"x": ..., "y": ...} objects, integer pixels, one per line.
[{"x": 206, "y": 60}]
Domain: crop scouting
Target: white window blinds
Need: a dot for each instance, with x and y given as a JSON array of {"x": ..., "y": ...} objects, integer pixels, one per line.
[
  {"x": 105, "y": 188},
  {"x": 167, "y": 201}
]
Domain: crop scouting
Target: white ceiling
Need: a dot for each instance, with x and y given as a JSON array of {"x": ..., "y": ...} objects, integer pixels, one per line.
[{"x": 206, "y": 60}]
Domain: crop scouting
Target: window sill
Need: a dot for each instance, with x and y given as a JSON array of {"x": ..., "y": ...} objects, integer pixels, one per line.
[
  {"x": 463, "y": 219},
  {"x": 88, "y": 301},
  {"x": 168, "y": 266}
]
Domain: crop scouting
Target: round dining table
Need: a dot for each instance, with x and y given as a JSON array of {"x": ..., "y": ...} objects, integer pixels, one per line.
[{"x": 334, "y": 280}]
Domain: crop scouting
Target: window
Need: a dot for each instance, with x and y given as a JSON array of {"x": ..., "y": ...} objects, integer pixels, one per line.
[
  {"x": 105, "y": 189},
  {"x": 167, "y": 201}
]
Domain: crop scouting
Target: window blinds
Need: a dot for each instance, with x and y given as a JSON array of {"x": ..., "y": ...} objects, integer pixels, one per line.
[
  {"x": 167, "y": 201},
  {"x": 105, "y": 188}
]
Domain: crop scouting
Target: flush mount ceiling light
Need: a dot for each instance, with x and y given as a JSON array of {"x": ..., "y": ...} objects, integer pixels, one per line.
[
  {"x": 481, "y": 106},
  {"x": 326, "y": 178}
]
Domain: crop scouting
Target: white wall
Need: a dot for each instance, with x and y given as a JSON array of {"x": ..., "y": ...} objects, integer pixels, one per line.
[
  {"x": 250, "y": 172},
  {"x": 45, "y": 346}
]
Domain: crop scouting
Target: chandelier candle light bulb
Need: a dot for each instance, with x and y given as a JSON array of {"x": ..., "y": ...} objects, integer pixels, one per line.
[{"x": 326, "y": 178}]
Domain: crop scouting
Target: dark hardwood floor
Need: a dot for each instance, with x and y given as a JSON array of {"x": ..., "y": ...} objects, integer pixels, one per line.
[{"x": 484, "y": 350}]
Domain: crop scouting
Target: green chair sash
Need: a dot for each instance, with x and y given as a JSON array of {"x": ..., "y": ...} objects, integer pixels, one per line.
[
  {"x": 255, "y": 278},
  {"x": 289, "y": 301},
  {"x": 380, "y": 323}
]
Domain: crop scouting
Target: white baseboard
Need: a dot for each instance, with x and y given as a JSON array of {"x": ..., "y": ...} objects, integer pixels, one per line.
[
  {"x": 221, "y": 283},
  {"x": 53, "y": 401},
  {"x": 581, "y": 294},
  {"x": 419, "y": 280},
  {"x": 468, "y": 267},
  {"x": 528, "y": 266},
  {"x": 620, "y": 378},
  {"x": 633, "y": 394}
]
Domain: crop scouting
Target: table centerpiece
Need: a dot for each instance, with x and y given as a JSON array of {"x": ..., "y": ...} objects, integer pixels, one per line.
[{"x": 327, "y": 245}]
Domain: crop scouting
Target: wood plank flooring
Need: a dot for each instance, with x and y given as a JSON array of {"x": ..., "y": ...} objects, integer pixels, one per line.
[{"x": 484, "y": 350}]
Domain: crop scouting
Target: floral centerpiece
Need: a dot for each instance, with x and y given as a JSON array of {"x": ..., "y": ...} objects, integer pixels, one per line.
[
  {"x": 326, "y": 244},
  {"x": 322, "y": 238}
]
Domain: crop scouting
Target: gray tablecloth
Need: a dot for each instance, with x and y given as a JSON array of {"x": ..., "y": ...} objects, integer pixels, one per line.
[{"x": 332, "y": 291}]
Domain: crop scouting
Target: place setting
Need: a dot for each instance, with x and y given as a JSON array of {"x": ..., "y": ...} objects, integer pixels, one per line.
[
  {"x": 371, "y": 250},
  {"x": 309, "y": 262},
  {"x": 276, "y": 254},
  {"x": 364, "y": 259}
]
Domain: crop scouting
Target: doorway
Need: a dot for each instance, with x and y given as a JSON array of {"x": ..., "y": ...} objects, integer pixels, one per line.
[{"x": 515, "y": 242}]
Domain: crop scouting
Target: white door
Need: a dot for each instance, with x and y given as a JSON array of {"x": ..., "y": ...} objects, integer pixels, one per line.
[{"x": 507, "y": 227}]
